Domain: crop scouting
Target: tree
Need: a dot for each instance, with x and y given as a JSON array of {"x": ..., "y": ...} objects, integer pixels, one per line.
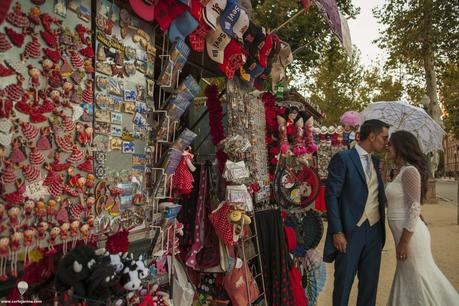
[
  {"x": 449, "y": 93},
  {"x": 337, "y": 84},
  {"x": 420, "y": 35},
  {"x": 381, "y": 86}
]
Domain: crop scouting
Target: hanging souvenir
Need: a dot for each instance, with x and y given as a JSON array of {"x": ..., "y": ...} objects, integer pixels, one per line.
[
  {"x": 64, "y": 236},
  {"x": 16, "y": 38},
  {"x": 77, "y": 62},
  {"x": 88, "y": 68},
  {"x": 31, "y": 173},
  {"x": 32, "y": 49},
  {"x": 36, "y": 157},
  {"x": 54, "y": 55},
  {"x": 15, "y": 91},
  {"x": 66, "y": 69},
  {"x": 50, "y": 38},
  {"x": 51, "y": 177},
  {"x": 101, "y": 53},
  {"x": 76, "y": 156},
  {"x": 4, "y": 254},
  {"x": 86, "y": 166},
  {"x": 8, "y": 174},
  {"x": 34, "y": 15},
  {"x": 16, "y": 197},
  {"x": 29, "y": 237},
  {"x": 130, "y": 69},
  {"x": 17, "y": 152},
  {"x": 104, "y": 68},
  {"x": 15, "y": 245},
  {"x": 28, "y": 130},
  {"x": 5, "y": 71},
  {"x": 64, "y": 143},
  {"x": 81, "y": 30},
  {"x": 53, "y": 234},
  {"x": 87, "y": 52},
  {"x": 17, "y": 17},
  {"x": 4, "y": 43},
  {"x": 47, "y": 21},
  {"x": 183, "y": 177},
  {"x": 60, "y": 7},
  {"x": 88, "y": 92}
]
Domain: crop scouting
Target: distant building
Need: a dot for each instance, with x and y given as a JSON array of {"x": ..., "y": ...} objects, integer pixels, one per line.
[{"x": 451, "y": 147}]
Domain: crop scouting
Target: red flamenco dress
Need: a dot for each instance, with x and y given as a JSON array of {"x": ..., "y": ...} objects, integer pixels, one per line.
[{"x": 183, "y": 178}]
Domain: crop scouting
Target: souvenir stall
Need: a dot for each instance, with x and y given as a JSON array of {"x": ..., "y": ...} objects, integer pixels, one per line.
[
  {"x": 106, "y": 197},
  {"x": 330, "y": 140}
]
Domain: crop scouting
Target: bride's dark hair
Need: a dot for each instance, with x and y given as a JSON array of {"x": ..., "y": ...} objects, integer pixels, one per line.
[{"x": 407, "y": 149}]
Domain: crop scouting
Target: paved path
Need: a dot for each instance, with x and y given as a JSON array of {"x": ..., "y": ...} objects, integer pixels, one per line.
[
  {"x": 441, "y": 220},
  {"x": 447, "y": 190}
]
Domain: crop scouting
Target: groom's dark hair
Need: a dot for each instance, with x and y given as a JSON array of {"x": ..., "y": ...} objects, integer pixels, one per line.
[{"x": 372, "y": 126}]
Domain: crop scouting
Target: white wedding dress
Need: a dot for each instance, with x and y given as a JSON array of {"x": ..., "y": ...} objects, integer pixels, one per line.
[{"x": 417, "y": 281}]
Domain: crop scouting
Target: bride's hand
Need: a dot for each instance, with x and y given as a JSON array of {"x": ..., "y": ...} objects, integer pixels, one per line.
[{"x": 402, "y": 251}]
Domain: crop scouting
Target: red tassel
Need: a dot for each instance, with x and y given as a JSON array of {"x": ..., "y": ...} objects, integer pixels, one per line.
[
  {"x": 118, "y": 242},
  {"x": 217, "y": 131}
]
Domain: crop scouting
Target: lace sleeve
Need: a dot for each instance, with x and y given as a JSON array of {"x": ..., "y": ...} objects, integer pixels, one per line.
[{"x": 411, "y": 184}]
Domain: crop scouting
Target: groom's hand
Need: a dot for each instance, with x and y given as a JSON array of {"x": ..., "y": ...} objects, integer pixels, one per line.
[{"x": 340, "y": 242}]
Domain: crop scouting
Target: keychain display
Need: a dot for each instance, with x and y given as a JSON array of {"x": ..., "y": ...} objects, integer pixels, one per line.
[{"x": 295, "y": 185}]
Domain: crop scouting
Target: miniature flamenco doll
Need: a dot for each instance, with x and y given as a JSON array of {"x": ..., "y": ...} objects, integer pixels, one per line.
[
  {"x": 287, "y": 127},
  {"x": 183, "y": 178}
]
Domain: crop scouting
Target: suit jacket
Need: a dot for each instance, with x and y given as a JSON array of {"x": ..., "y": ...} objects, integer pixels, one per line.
[{"x": 346, "y": 195}]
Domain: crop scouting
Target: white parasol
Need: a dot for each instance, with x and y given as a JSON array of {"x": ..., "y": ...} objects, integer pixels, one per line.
[{"x": 403, "y": 116}]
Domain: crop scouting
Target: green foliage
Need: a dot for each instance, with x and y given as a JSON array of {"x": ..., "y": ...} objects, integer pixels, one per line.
[
  {"x": 338, "y": 85},
  {"x": 413, "y": 25},
  {"x": 382, "y": 86},
  {"x": 449, "y": 95},
  {"x": 415, "y": 31}
]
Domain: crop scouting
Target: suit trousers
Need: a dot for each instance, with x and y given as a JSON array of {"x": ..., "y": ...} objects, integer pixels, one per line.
[{"x": 362, "y": 257}]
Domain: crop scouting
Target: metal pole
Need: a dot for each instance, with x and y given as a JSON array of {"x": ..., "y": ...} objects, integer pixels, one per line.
[{"x": 288, "y": 21}]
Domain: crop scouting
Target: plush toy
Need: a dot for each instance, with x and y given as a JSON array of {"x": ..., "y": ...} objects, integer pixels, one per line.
[
  {"x": 74, "y": 269},
  {"x": 101, "y": 281},
  {"x": 112, "y": 259},
  {"x": 141, "y": 269},
  {"x": 130, "y": 278}
]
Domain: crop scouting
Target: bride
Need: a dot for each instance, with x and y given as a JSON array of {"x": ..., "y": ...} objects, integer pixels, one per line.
[{"x": 417, "y": 281}]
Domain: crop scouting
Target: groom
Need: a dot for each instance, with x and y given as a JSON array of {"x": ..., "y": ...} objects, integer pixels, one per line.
[{"x": 355, "y": 202}]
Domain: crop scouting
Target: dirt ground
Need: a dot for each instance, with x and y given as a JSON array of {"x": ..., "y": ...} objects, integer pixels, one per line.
[{"x": 441, "y": 219}]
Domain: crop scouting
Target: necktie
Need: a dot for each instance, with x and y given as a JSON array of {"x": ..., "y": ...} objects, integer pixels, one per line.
[{"x": 369, "y": 168}]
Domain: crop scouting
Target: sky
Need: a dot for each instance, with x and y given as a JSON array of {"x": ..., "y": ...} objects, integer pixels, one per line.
[{"x": 364, "y": 29}]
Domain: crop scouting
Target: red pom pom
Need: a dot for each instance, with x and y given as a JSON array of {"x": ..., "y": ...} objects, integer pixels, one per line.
[
  {"x": 274, "y": 161},
  {"x": 290, "y": 130},
  {"x": 281, "y": 110},
  {"x": 274, "y": 151},
  {"x": 269, "y": 139},
  {"x": 284, "y": 148}
]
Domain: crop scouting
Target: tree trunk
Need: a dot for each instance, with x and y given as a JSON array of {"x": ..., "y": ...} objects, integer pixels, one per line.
[{"x": 429, "y": 62}]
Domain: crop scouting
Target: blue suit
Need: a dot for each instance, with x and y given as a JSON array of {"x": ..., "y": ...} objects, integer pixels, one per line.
[{"x": 345, "y": 197}]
